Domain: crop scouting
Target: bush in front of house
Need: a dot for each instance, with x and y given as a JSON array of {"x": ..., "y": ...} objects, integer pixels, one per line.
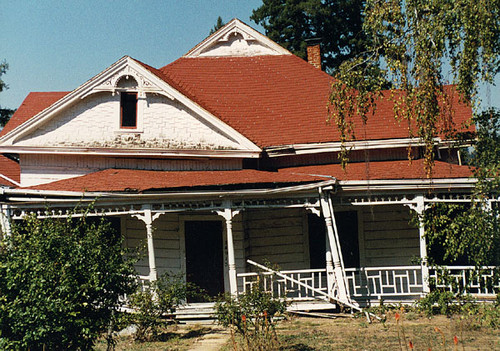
[
  {"x": 253, "y": 316},
  {"x": 155, "y": 304},
  {"x": 61, "y": 280}
]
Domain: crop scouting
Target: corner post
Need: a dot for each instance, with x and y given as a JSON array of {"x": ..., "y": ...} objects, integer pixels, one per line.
[
  {"x": 227, "y": 213},
  {"x": 334, "y": 247},
  {"x": 148, "y": 219}
]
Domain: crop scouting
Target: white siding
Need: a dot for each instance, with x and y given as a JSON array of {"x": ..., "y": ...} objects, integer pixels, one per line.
[
  {"x": 161, "y": 123},
  {"x": 389, "y": 239},
  {"x": 278, "y": 237},
  {"x": 39, "y": 169},
  {"x": 166, "y": 241}
]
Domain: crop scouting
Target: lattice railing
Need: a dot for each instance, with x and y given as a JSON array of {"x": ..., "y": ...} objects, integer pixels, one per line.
[
  {"x": 385, "y": 282},
  {"x": 280, "y": 287},
  {"x": 484, "y": 281}
]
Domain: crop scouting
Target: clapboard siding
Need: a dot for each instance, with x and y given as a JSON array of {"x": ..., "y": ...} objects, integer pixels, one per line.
[
  {"x": 165, "y": 238},
  {"x": 389, "y": 238},
  {"x": 277, "y": 236},
  {"x": 39, "y": 169}
]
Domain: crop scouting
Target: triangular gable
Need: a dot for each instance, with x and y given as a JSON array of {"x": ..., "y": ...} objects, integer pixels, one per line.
[
  {"x": 150, "y": 82},
  {"x": 236, "y": 39}
]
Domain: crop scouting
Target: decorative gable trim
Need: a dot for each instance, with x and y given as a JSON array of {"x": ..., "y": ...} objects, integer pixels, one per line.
[
  {"x": 107, "y": 81},
  {"x": 237, "y": 28}
]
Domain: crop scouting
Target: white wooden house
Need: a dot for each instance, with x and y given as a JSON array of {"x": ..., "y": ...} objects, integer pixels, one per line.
[{"x": 224, "y": 156}]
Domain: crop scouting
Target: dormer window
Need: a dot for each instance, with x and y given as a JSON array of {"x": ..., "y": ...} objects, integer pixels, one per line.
[{"x": 128, "y": 110}]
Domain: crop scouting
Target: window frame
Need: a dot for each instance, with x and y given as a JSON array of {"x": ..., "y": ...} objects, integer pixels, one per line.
[{"x": 122, "y": 95}]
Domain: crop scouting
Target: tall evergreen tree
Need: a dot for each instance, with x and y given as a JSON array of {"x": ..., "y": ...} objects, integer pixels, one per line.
[
  {"x": 338, "y": 24},
  {"x": 5, "y": 113}
]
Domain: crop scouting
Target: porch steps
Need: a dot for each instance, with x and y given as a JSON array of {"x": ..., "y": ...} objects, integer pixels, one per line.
[
  {"x": 196, "y": 313},
  {"x": 311, "y": 305}
]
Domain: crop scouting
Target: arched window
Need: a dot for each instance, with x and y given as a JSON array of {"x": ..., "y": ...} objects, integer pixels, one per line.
[{"x": 128, "y": 102}]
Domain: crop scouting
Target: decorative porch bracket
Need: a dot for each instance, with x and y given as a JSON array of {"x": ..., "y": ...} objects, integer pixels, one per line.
[
  {"x": 148, "y": 218},
  {"x": 5, "y": 220},
  {"x": 228, "y": 213},
  {"x": 331, "y": 229},
  {"x": 419, "y": 208}
]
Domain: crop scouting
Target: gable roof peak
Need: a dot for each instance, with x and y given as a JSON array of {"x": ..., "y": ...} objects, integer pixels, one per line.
[{"x": 236, "y": 39}]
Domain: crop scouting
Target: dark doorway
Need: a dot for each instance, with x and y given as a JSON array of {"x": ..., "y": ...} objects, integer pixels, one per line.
[
  {"x": 204, "y": 256},
  {"x": 347, "y": 226}
]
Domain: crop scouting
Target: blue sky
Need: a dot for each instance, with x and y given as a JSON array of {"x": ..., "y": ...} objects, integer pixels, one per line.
[{"x": 58, "y": 45}]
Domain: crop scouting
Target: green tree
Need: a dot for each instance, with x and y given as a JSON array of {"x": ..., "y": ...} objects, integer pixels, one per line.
[
  {"x": 414, "y": 39},
  {"x": 5, "y": 113},
  {"x": 470, "y": 233},
  {"x": 338, "y": 23},
  {"x": 218, "y": 25},
  {"x": 61, "y": 283}
]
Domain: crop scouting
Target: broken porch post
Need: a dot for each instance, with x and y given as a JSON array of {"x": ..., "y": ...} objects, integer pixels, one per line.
[{"x": 340, "y": 278}]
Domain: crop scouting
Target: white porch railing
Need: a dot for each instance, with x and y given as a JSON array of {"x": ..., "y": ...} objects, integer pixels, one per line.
[
  {"x": 466, "y": 279},
  {"x": 280, "y": 287},
  {"x": 394, "y": 283},
  {"x": 388, "y": 283}
]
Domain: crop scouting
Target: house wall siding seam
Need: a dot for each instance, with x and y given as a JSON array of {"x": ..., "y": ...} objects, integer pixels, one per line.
[{"x": 162, "y": 123}]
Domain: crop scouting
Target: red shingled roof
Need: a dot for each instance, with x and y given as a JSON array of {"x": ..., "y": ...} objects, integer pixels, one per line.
[
  {"x": 271, "y": 100},
  {"x": 277, "y": 100},
  {"x": 119, "y": 180},
  {"x": 32, "y": 105},
  {"x": 9, "y": 169}
]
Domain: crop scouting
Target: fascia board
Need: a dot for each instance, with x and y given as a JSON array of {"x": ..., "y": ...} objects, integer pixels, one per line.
[
  {"x": 406, "y": 184},
  {"x": 313, "y": 148},
  {"x": 31, "y": 124},
  {"x": 191, "y": 153},
  {"x": 249, "y": 31}
]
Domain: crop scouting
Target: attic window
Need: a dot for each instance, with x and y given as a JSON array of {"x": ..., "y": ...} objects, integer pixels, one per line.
[{"x": 128, "y": 110}]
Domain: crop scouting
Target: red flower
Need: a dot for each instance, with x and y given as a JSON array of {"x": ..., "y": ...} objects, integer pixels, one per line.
[
  {"x": 397, "y": 316},
  {"x": 265, "y": 314},
  {"x": 411, "y": 345},
  {"x": 243, "y": 318},
  {"x": 455, "y": 340}
]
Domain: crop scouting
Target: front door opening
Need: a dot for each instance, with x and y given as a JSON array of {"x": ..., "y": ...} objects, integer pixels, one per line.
[{"x": 204, "y": 257}]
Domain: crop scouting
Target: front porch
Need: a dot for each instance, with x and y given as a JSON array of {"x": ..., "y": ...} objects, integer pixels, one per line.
[{"x": 324, "y": 245}]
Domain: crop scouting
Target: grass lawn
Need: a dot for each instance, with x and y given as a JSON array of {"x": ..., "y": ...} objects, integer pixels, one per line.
[
  {"x": 346, "y": 333},
  {"x": 349, "y": 333}
]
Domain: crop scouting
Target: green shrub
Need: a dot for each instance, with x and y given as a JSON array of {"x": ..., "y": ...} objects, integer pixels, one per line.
[
  {"x": 253, "y": 315},
  {"x": 155, "y": 304},
  {"x": 61, "y": 283}
]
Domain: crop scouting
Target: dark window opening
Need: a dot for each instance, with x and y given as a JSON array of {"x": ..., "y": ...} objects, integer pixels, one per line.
[
  {"x": 347, "y": 226},
  {"x": 128, "y": 110}
]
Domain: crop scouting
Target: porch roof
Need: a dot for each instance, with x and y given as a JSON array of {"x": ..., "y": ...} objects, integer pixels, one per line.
[
  {"x": 9, "y": 172},
  {"x": 138, "y": 181}
]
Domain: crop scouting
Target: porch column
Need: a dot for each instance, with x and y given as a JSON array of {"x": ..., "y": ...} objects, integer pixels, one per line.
[
  {"x": 331, "y": 229},
  {"x": 419, "y": 208},
  {"x": 148, "y": 219},
  {"x": 228, "y": 215},
  {"x": 5, "y": 220}
]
